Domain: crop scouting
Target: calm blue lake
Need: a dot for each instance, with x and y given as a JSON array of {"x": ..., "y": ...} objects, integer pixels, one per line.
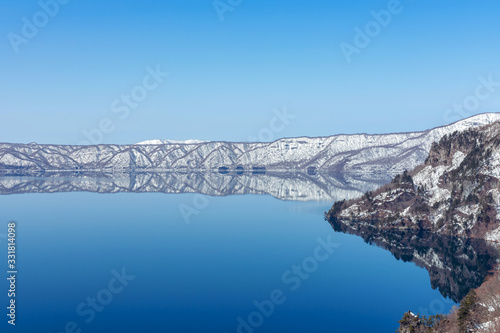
[{"x": 131, "y": 262}]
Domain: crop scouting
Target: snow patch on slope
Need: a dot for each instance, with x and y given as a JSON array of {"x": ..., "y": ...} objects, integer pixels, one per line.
[{"x": 163, "y": 142}]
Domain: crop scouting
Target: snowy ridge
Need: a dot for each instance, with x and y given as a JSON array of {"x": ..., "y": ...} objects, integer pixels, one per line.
[
  {"x": 361, "y": 153},
  {"x": 162, "y": 142},
  {"x": 455, "y": 192}
]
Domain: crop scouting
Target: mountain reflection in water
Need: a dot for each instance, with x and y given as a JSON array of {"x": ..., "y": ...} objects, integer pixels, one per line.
[
  {"x": 455, "y": 265},
  {"x": 306, "y": 186}
]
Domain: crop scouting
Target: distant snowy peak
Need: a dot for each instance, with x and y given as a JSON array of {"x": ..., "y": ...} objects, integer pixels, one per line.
[{"x": 164, "y": 142}]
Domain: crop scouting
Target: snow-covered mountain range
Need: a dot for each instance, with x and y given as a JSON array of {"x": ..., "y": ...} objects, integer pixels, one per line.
[{"x": 360, "y": 153}]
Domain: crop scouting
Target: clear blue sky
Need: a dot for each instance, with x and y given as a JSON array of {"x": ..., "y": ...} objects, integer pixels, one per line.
[{"x": 227, "y": 76}]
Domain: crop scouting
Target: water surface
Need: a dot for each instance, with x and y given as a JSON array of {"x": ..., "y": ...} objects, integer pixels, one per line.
[{"x": 201, "y": 263}]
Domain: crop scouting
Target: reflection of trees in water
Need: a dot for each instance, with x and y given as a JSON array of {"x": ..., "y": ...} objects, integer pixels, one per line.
[
  {"x": 455, "y": 265},
  {"x": 282, "y": 185}
]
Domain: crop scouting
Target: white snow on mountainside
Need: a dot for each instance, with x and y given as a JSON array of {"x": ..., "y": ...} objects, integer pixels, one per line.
[
  {"x": 161, "y": 142},
  {"x": 455, "y": 192},
  {"x": 360, "y": 153}
]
